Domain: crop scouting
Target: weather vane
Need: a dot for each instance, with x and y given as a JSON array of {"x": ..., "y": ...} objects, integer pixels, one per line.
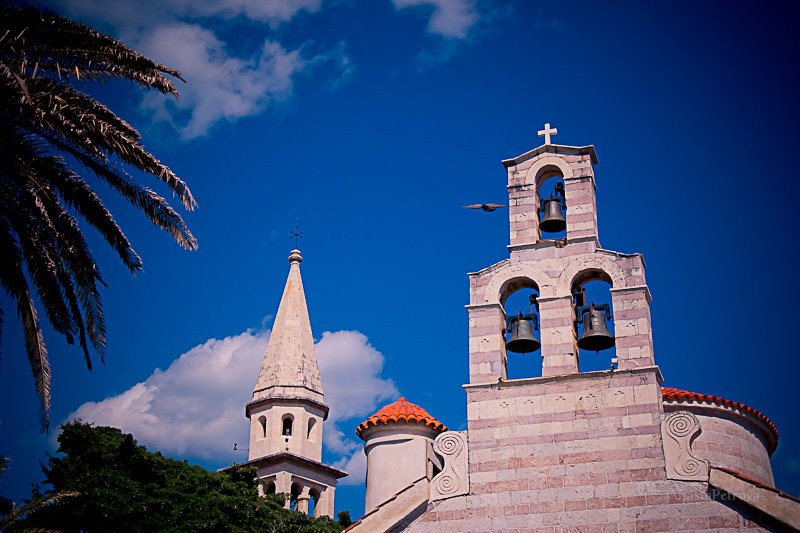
[{"x": 297, "y": 234}]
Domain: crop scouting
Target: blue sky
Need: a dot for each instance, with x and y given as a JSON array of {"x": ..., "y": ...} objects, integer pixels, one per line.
[{"x": 372, "y": 122}]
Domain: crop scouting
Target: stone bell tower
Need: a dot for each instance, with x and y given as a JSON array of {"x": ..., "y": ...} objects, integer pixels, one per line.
[
  {"x": 555, "y": 268},
  {"x": 287, "y": 409}
]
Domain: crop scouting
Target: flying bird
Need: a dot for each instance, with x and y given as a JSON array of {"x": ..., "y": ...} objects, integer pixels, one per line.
[{"x": 485, "y": 207}]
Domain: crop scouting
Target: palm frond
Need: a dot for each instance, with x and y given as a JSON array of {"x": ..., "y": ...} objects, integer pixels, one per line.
[
  {"x": 33, "y": 506},
  {"x": 15, "y": 284},
  {"x": 43, "y": 117},
  {"x": 154, "y": 207}
]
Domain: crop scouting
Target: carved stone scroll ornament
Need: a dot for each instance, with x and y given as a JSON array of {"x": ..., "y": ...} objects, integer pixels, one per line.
[
  {"x": 678, "y": 430},
  {"x": 453, "y": 480}
]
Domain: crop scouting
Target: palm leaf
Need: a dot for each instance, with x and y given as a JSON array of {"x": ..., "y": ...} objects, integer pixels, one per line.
[{"x": 44, "y": 117}]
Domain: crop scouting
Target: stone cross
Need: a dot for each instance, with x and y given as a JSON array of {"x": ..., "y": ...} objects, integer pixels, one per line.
[{"x": 547, "y": 132}]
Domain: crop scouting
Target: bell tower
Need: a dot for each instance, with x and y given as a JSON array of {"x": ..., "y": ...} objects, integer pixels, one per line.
[
  {"x": 287, "y": 409},
  {"x": 557, "y": 268}
]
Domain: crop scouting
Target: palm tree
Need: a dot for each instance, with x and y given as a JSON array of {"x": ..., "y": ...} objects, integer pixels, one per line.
[{"x": 45, "y": 118}]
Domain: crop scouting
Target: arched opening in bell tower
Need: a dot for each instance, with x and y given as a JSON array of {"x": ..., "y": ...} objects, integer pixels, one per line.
[
  {"x": 293, "y": 496},
  {"x": 521, "y": 339},
  {"x": 262, "y": 424},
  {"x": 594, "y": 321},
  {"x": 313, "y": 499},
  {"x": 552, "y": 212}
]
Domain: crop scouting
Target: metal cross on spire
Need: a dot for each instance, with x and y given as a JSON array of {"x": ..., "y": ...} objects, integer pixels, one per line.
[
  {"x": 547, "y": 132},
  {"x": 297, "y": 234}
]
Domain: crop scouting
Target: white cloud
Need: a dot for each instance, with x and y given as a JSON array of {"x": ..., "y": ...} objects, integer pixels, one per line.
[
  {"x": 195, "y": 408},
  {"x": 222, "y": 84},
  {"x": 356, "y": 466},
  {"x": 272, "y": 11},
  {"x": 140, "y": 13},
  {"x": 449, "y": 18}
]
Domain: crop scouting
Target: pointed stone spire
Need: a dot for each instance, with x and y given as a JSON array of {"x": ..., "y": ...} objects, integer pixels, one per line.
[{"x": 289, "y": 369}]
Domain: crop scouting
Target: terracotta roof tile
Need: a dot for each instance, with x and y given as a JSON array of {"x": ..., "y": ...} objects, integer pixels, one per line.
[
  {"x": 668, "y": 393},
  {"x": 400, "y": 411}
]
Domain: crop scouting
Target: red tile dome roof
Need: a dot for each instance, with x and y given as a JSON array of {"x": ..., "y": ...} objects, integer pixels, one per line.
[
  {"x": 400, "y": 411},
  {"x": 668, "y": 393}
]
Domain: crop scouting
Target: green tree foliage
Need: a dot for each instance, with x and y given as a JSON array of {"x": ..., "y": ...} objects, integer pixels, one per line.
[
  {"x": 344, "y": 518},
  {"x": 121, "y": 486},
  {"x": 46, "y": 122}
]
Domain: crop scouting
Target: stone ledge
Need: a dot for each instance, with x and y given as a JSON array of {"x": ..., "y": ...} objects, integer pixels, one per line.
[
  {"x": 633, "y": 288},
  {"x": 521, "y": 382}
]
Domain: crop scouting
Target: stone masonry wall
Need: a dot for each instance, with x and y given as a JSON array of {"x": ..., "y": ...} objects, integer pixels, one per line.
[{"x": 573, "y": 453}]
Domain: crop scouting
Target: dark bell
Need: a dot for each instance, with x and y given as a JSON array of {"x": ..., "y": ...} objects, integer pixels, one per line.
[
  {"x": 595, "y": 336},
  {"x": 522, "y": 339},
  {"x": 552, "y": 220}
]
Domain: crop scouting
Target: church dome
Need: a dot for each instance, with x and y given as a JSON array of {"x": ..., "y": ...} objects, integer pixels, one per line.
[{"x": 400, "y": 411}]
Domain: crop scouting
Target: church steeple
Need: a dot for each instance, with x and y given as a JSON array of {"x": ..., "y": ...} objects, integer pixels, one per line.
[
  {"x": 290, "y": 366},
  {"x": 287, "y": 409}
]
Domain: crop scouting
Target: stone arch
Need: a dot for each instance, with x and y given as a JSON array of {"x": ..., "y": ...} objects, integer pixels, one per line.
[
  {"x": 546, "y": 168},
  {"x": 262, "y": 425},
  {"x": 512, "y": 285},
  {"x": 589, "y": 267},
  {"x": 497, "y": 291}
]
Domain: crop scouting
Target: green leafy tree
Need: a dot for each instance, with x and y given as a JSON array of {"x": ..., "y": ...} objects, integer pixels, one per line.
[
  {"x": 344, "y": 518},
  {"x": 117, "y": 485},
  {"x": 48, "y": 127}
]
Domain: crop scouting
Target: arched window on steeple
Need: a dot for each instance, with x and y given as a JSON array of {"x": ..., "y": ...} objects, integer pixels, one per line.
[
  {"x": 311, "y": 432},
  {"x": 262, "y": 421},
  {"x": 288, "y": 421}
]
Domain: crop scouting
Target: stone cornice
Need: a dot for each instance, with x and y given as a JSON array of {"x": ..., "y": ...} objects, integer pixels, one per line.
[
  {"x": 507, "y": 383},
  {"x": 284, "y": 400},
  {"x": 286, "y": 457},
  {"x": 553, "y": 149}
]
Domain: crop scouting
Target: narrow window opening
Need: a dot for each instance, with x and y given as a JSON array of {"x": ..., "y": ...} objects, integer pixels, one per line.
[
  {"x": 312, "y": 502},
  {"x": 287, "y": 426},
  {"x": 293, "y": 496},
  {"x": 311, "y": 433},
  {"x": 262, "y": 421}
]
